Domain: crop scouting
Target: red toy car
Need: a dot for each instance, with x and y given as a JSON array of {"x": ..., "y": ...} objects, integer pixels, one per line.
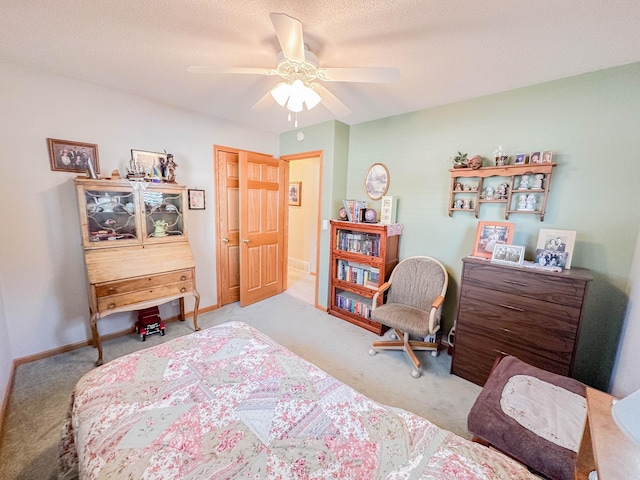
[{"x": 149, "y": 322}]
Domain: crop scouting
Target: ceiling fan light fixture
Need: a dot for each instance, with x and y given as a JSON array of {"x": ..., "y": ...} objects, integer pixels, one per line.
[
  {"x": 311, "y": 98},
  {"x": 281, "y": 93}
]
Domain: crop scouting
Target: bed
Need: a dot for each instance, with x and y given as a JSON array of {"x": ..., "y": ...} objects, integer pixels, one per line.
[{"x": 229, "y": 402}]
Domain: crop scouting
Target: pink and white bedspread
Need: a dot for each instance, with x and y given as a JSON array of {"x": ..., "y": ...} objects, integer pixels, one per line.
[{"x": 229, "y": 402}]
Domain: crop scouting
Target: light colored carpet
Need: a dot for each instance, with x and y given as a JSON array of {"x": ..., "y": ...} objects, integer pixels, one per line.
[{"x": 42, "y": 389}]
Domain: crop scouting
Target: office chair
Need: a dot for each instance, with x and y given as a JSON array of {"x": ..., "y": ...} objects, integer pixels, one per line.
[{"x": 415, "y": 293}]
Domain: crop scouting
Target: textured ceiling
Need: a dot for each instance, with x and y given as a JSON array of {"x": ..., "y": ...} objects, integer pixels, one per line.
[{"x": 446, "y": 51}]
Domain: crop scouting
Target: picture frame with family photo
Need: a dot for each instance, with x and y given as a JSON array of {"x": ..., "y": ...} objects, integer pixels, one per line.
[{"x": 555, "y": 247}]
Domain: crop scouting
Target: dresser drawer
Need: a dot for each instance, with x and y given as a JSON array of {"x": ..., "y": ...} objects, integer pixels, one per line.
[
  {"x": 475, "y": 353},
  {"x": 119, "y": 287},
  {"x": 151, "y": 293},
  {"x": 544, "y": 286},
  {"x": 523, "y": 315}
]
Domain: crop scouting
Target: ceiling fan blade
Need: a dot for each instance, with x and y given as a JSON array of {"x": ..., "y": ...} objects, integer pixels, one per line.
[
  {"x": 265, "y": 102},
  {"x": 330, "y": 101},
  {"x": 243, "y": 70},
  {"x": 289, "y": 33},
  {"x": 364, "y": 74}
]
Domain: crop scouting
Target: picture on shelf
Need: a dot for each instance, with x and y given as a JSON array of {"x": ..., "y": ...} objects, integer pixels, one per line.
[
  {"x": 547, "y": 155},
  {"x": 521, "y": 159},
  {"x": 508, "y": 254},
  {"x": 535, "y": 157},
  {"x": 491, "y": 234},
  {"x": 559, "y": 241}
]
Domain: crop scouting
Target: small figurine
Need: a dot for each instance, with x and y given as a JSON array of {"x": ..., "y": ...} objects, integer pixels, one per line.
[
  {"x": 522, "y": 204},
  {"x": 524, "y": 183},
  {"x": 489, "y": 192},
  {"x": 466, "y": 203},
  {"x": 531, "y": 201},
  {"x": 457, "y": 204},
  {"x": 457, "y": 186},
  {"x": 171, "y": 168},
  {"x": 537, "y": 183},
  {"x": 502, "y": 190}
]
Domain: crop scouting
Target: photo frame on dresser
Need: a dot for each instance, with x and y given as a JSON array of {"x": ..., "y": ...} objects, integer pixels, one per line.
[
  {"x": 555, "y": 246},
  {"x": 490, "y": 234},
  {"x": 508, "y": 254}
]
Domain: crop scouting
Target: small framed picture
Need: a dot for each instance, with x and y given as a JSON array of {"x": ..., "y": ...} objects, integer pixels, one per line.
[
  {"x": 560, "y": 242},
  {"x": 520, "y": 159},
  {"x": 69, "y": 156},
  {"x": 547, "y": 155},
  {"x": 535, "y": 157},
  {"x": 295, "y": 194},
  {"x": 152, "y": 164},
  {"x": 196, "y": 199},
  {"x": 491, "y": 234},
  {"x": 508, "y": 254}
]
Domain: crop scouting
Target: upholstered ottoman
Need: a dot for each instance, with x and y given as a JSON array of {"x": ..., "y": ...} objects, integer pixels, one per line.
[{"x": 532, "y": 415}]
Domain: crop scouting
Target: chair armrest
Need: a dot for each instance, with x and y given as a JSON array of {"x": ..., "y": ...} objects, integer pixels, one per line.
[
  {"x": 381, "y": 289},
  {"x": 437, "y": 302}
]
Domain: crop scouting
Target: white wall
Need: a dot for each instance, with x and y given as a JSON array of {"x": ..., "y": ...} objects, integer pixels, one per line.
[
  {"x": 626, "y": 374},
  {"x": 42, "y": 271}
]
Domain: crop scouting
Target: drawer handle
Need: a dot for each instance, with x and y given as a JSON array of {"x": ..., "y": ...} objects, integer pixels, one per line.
[
  {"x": 112, "y": 289},
  {"x": 183, "y": 278},
  {"x": 501, "y": 352},
  {"x": 511, "y": 307},
  {"x": 516, "y": 283},
  {"x": 183, "y": 289},
  {"x": 111, "y": 306},
  {"x": 509, "y": 331}
]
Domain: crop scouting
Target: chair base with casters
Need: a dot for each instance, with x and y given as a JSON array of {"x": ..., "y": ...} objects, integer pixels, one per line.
[
  {"x": 415, "y": 294},
  {"x": 408, "y": 345}
]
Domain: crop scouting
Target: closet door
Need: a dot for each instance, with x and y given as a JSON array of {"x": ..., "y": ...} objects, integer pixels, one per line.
[
  {"x": 228, "y": 211},
  {"x": 262, "y": 226}
]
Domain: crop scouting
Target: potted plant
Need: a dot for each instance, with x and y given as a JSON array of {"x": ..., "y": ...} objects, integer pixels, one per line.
[{"x": 460, "y": 160}]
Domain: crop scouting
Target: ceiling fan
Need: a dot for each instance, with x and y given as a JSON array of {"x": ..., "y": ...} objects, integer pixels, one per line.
[{"x": 302, "y": 74}]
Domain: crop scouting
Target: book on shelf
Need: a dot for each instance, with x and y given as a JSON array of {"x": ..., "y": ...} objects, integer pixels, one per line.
[
  {"x": 357, "y": 273},
  {"x": 354, "y": 303}
]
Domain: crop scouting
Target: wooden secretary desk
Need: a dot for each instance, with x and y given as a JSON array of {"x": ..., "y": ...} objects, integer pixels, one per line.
[{"x": 136, "y": 248}]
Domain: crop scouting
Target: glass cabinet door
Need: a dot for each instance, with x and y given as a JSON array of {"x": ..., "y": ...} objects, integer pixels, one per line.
[
  {"x": 111, "y": 216},
  {"x": 164, "y": 214}
]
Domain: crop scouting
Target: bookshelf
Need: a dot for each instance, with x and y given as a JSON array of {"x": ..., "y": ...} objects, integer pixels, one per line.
[{"x": 362, "y": 258}]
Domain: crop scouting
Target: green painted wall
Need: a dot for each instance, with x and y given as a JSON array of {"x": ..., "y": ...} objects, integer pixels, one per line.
[{"x": 592, "y": 124}]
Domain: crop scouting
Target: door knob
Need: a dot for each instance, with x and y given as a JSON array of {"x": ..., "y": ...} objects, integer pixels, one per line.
[
  {"x": 246, "y": 240},
  {"x": 225, "y": 240}
]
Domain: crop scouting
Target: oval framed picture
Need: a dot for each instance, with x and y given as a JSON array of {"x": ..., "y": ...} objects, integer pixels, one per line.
[{"x": 376, "y": 182}]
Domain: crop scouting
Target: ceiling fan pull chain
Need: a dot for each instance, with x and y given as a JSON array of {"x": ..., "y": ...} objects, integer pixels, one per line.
[
  {"x": 289, "y": 116},
  {"x": 296, "y": 122}
]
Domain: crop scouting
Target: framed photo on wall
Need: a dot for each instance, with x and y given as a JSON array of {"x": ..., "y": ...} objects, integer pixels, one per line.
[
  {"x": 490, "y": 234},
  {"x": 196, "y": 199},
  {"x": 295, "y": 194},
  {"x": 555, "y": 246},
  {"x": 69, "y": 156}
]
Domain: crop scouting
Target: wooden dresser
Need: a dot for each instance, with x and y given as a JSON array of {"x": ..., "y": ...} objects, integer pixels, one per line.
[
  {"x": 136, "y": 248},
  {"x": 531, "y": 314}
]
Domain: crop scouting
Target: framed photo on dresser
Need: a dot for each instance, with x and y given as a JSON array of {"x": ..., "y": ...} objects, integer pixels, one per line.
[
  {"x": 556, "y": 244},
  {"x": 490, "y": 234}
]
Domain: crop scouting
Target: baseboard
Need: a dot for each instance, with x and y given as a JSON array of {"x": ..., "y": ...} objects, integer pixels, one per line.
[{"x": 5, "y": 401}]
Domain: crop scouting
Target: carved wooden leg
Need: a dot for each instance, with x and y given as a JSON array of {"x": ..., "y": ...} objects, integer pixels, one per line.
[
  {"x": 182, "y": 317},
  {"x": 195, "y": 310},
  {"x": 96, "y": 338}
]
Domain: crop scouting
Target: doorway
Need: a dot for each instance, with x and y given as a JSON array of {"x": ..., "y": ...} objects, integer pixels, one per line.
[{"x": 303, "y": 232}]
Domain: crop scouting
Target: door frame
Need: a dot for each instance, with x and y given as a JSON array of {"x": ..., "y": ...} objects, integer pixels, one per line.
[{"x": 303, "y": 156}]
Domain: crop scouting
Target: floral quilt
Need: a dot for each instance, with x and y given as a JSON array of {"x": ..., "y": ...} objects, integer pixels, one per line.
[{"x": 229, "y": 402}]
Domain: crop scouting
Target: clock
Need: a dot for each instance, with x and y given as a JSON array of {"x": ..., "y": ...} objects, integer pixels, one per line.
[
  {"x": 300, "y": 136},
  {"x": 370, "y": 215}
]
